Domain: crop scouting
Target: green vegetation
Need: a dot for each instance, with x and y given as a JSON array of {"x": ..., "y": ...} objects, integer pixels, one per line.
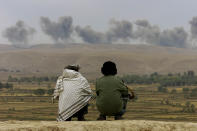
[
  {"x": 50, "y": 92},
  {"x": 6, "y": 85},
  {"x": 39, "y": 92},
  {"x": 188, "y": 78},
  {"x": 185, "y": 90},
  {"x": 32, "y": 79},
  {"x": 162, "y": 89}
]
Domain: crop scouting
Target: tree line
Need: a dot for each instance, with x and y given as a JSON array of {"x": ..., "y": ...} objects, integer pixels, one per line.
[
  {"x": 178, "y": 79},
  {"x": 40, "y": 92},
  {"x": 33, "y": 79},
  {"x": 6, "y": 85}
]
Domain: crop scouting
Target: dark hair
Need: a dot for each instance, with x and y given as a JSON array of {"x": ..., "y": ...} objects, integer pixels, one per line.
[
  {"x": 109, "y": 68},
  {"x": 73, "y": 67}
]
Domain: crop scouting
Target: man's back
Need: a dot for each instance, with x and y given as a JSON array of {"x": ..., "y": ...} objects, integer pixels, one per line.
[
  {"x": 74, "y": 93},
  {"x": 109, "y": 91}
]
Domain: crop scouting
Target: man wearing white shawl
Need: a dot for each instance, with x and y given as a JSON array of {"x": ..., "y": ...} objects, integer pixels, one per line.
[{"x": 74, "y": 92}]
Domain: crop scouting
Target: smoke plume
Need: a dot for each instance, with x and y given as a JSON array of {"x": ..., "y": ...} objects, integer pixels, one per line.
[
  {"x": 176, "y": 37},
  {"x": 147, "y": 33},
  {"x": 143, "y": 23},
  {"x": 193, "y": 28},
  {"x": 90, "y": 36},
  {"x": 144, "y": 32},
  {"x": 152, "y": 34},
  {"x": 19, "y": 34},
  {"x": 59, "y": 31},
  {"x": 119, "y": 30}
]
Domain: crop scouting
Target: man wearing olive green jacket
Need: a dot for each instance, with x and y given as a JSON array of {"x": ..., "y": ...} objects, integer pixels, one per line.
[{"x": 112, "y": 93}]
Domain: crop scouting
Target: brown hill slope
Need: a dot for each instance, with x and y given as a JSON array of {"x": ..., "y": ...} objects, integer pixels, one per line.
[{"x": 44, "y": 60}]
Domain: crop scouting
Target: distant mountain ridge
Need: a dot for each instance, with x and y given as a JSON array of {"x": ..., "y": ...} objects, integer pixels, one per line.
[{"x": 48, "y": 59}]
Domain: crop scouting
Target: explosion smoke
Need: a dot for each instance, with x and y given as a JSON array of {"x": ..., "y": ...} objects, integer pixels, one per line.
[
  {"x": 19, "y": 34},
  {"x": 193, "y": 28},
  {"x": 119, "y": 31},
  {"x": 146, "y": 32},
  {"x": 59, "y": 31},
  {"x": 176, "y": 37},
  {"x": 89, "y": 35}
]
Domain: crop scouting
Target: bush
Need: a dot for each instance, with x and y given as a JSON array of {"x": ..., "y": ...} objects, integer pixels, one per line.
[
  {"x": 50, "y": 91},
  {"x": 174, "y": 91},
  {"x": 162, "y": 89},
  {"x": 39, "y": 92},
  {"x": 193, "y": 94},
  {"x": 6, "y": 85},
  {"x": 1, "y": 85},
  {"x": 185, "y": 90}
]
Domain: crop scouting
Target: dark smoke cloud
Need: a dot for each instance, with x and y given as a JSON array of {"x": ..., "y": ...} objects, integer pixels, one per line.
[
  {"x": 143, "y": 23},
  {"x": 119, "y": 30},
  {"x": 176, "y": 37},
  {"x": 193, "y": 27},
  {"x": 59, "y": 31},
  {"x": 145, "y": 32},
  {"x": 19, "y": 34},
  {"x": 90, "y": 36}
]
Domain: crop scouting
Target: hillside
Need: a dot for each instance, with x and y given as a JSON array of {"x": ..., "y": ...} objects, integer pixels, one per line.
[
  {"x": 132, "y": 125},
  {"x": 41, "y": 60}
]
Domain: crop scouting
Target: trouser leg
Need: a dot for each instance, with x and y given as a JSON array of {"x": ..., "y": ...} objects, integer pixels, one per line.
[
  {"x": 118, "y": 116},
  {"x": 101, "y": 117},
  {"x": 80, "y": 114},
  {"x": 69, "y": 119},
  {"x": 124, "y": 106}
]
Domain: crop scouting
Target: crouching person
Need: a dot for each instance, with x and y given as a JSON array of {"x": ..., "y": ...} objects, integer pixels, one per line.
[
  {"x": 73, "y": 92},
  {"x": 112, "y": 93}
]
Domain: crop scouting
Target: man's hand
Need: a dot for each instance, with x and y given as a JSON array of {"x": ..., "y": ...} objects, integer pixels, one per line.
[
  {"x": 131, "y": 95},
  {"x": 53, "y": 99}
]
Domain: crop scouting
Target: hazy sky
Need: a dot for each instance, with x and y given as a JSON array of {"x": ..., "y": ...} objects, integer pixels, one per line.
[{"x": 97, "y": 13}]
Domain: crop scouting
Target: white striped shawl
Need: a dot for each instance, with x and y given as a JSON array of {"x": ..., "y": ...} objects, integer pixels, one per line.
[{"x": 74, "y": 93}]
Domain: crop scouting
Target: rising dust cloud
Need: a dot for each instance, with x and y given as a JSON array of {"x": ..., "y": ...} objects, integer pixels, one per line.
[{"x": 63, "y": 30}]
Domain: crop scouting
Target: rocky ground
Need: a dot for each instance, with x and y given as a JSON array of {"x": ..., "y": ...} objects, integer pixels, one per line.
[{"x": 124, "y": 125}]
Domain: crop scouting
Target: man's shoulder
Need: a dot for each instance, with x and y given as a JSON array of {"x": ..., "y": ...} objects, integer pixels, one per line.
[
  {"x": 109, "y": 78},
  {"x": 102, "y": 78}
]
